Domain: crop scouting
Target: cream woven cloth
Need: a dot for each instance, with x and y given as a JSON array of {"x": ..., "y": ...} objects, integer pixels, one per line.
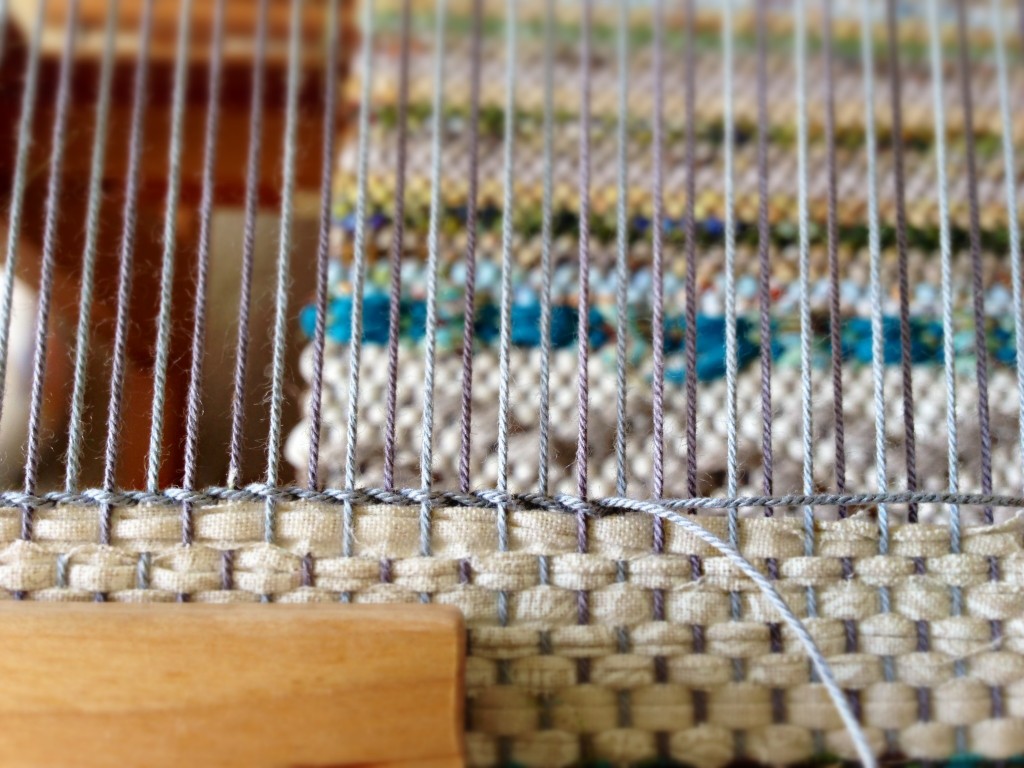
[{"x": 924, "y": 673}]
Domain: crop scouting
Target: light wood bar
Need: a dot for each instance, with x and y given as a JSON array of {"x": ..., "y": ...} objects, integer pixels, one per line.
[{"x": 230, "y": 685}]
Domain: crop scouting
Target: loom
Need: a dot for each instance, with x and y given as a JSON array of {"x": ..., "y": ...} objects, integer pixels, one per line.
[{"x": 660, "y": 364}]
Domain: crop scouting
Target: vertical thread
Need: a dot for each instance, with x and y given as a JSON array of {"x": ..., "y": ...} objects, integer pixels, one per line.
[
  {"x": 430, "y": 340},
  {"x": 126, "y": 258},
  {"x": 583, "y": 299},
  {"x": 252, "y": 195},
  {"x": 1009, "y": 180},
  {"x": 53, "y": 188},
  {"x": 690, "y": 235},
  {"x": 731, "y": 362},
  {"x": 583, "y": 321},
  {"x": 763, "y": 249},
  {"x": 163, "y": 335},
  {"x": 545, "y": 248},
  {"x": 92, "y": 228},
  {"x": 395, "y": 256},
  {"x": 835, "y": 315},
  {"x": 323, "y": 248},
  {"x": 19, "y": 180},
  {"x": 996, "y": 692},
  {"x": 507, "y": 232},
  {"x": 907, "y": 386},
  {"x": 358, "y": 269},
  {"x": 924, "y": 694},
  {"x": 945, "y": 254},
  {"x": 505, "y": 334},
  {"x": 877, "y": 359},
  {"x": 658, "y": 273},
  {"x": 658, "y": 329},
  {"x": 621, "y": 248},
  {"x": 806, "y": 332},
  {"x": 977, "y": 275},
  {"x": 195, "y": 382},
  {"x": 874, "y": 248},
  {"x": 469, "y": 295},
  {"x": 283, "y": 263},
  {"x": 732, "y": 467}
]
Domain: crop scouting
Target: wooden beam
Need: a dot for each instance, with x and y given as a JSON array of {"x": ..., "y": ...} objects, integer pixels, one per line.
[{"x": 230, "y": 685}]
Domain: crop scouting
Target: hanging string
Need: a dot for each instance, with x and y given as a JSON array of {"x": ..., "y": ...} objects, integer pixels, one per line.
[
  {"x": 907, "y": 387},
  {"x": 195, "y": 382},
  {"x": 323, "y": 246},
  {"x": 763, "y": 248},
  {"x": 1013, "y": 225},
  {"x": 545, "y": 248},
  {"x": 433, "y": 257},
  {"x": 126, "y": 259},
  {"x": 163, "y": 335},
  {"x": 658, "y": 273},
  {"x": 974, "y": 240},
  {"x": 53, "y": 190},
  {"x": 284, "y": 253},
  {"x": 996, "y": 692},
  {"x": 20, "y": 178},
  {"x": 583, "y": 299},
  {"x": 946, "y": 258},
  {"x": 583, "y": 317},
  {"x": 469, "y": 300},
  {"x": 395, "y": 258},
  {"x": 835, "y": 313},
  {"x": 729, "y": 226},
  {"x": 690, "y": 234},
  {"x": 76, "y": 417},
  {"x": 252, "y": 199},
  {"x": 358, "y": 269},
  {"x": 658, "y": 323},
  {"x": 877, "y": 349},
  {"x": 621, "y": 247},
  {"x": 875, "y": 251},
  {"x": 806, "y": 331},
  {"x": 507, "y": 256}
]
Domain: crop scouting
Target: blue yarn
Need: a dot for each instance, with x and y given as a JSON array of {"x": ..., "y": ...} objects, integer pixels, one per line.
[
  {"x": 925, "y": 333},
  {"x": 348, "y": 223},
  {"x": 487, "y": 324},
  {"x": 925, "y": 340},
  {"x": 526, "y": 326},
  {"x": 414, "y": 319},
  {"x": 711, "y": 349},
  {"x": 713, "y": 227},
  {"x": 563, "y": 326},
  {"x": 1002, "y": 345}
]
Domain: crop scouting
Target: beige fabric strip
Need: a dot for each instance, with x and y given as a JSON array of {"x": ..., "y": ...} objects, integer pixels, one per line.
[{"x": 542, "y": 639}]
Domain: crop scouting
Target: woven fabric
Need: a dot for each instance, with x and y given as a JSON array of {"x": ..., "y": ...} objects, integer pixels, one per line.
[
  {"x": 921, "y": 670},
  {"x": 922, "y": 232},
  {"x": 605, "y": 644}
]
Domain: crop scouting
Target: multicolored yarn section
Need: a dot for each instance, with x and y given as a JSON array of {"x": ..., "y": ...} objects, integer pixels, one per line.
[
  {"x": 925, "y": 329},
  {"x": 618, "y": 639}
]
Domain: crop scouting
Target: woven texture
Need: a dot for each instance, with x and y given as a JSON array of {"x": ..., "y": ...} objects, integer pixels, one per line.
[
  {"x": 644, "y": 259},
  {"x": 919, "y": 671},
  {"x": 590, "y": 646}
]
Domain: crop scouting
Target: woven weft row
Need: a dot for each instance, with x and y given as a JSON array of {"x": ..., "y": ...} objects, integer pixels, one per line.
[{"x": 929, "y": 645}]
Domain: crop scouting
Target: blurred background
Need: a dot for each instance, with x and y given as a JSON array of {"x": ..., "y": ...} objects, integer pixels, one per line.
[{"x": 226, "y": 236}]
